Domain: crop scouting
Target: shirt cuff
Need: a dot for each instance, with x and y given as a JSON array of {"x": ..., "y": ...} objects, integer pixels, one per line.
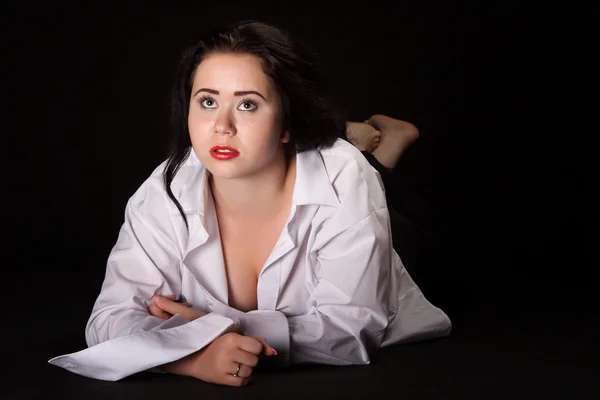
[
  {"x": 126, "y": 355},
  {"x": 273, "y": 326}
]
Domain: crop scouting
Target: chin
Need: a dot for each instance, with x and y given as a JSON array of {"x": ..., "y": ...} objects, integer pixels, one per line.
[
  {"x": 224, "y": 174},
  {"x": 221, "y": 171}
]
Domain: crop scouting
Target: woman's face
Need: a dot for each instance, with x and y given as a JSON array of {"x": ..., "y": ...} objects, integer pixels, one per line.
[{"x": 234, "y": 118}]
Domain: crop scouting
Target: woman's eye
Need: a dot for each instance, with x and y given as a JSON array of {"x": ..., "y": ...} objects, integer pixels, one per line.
[
  {"x": 208, "y": 103},
  {"x": 247, "y": 106}
]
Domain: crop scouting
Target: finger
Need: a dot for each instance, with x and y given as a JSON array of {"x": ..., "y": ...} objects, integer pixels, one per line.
[
  {"x": 231, "y": 380},
  {"x": 250, "y": 344},
  {"x": 244, "y": 372},
  {"x": 172, "y": 297},
  {"x": 177, "y": 308},
  {"x": 268, "y": 350},
  {"x": 244, "y": 358},
  {"x": 157, "y": 312},
  {"x": 167, "y": 304}
]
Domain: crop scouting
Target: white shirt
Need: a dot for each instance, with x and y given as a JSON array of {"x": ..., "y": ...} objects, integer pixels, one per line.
[{"x": 332, "y": 291}]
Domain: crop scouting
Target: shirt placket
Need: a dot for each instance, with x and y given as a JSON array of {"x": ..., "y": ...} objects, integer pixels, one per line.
[{"x": 269, "y": 280}]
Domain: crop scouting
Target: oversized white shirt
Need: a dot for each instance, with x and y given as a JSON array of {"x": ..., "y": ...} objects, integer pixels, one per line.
[{"x": 332, "y": 291}]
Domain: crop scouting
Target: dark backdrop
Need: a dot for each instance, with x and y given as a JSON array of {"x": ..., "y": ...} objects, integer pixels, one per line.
[{"x": 91, "y": 87}]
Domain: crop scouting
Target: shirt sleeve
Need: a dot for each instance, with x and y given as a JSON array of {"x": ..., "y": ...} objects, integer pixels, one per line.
[
  {"x": 123, "y": 337},
  {"x": 143, "y": 262},
  {"x": 350, "y": 305}
]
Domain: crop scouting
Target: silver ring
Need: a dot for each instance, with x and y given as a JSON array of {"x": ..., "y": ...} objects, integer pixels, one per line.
[{"x": 238, "y": 370}]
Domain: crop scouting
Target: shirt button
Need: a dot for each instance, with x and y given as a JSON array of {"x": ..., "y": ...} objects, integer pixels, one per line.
[{"x": 209, "y": 303}]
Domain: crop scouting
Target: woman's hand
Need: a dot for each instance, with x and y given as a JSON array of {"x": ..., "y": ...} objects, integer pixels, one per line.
[
  {"x": 165, "y": 307},
  {"x": 219, "y": 361}
]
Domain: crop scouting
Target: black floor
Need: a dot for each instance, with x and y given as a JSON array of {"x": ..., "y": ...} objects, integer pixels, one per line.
[{"x": 490, "y": 355}]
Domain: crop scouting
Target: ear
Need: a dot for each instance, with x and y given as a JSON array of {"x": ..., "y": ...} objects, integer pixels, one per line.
[{"x": 285, "y": 137}]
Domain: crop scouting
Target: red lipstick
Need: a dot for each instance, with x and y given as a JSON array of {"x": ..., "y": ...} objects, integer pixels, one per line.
[{"x": 224, "y": 152}]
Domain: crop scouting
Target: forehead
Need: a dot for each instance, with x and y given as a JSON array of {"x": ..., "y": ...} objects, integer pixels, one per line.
[{"x": 231, "y": 72}]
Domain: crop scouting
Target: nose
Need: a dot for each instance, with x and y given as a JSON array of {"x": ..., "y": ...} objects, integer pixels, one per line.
[{"x": 224, "y": 123}]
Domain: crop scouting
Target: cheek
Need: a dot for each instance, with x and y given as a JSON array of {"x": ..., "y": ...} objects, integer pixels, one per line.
[
  {"x": 268, "y": 128},
  {"x": 193, "y": 117},
  {"x": 264, "y": 138},
  {"x": 197, "y": 124}
]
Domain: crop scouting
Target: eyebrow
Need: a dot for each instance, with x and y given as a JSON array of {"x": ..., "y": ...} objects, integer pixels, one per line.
[{"x": 238, "y": 93}]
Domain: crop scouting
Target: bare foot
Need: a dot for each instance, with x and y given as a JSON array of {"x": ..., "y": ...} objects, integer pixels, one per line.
[
  {"x": 396, "y": 137},
  {"x": 364, "y": 136}
]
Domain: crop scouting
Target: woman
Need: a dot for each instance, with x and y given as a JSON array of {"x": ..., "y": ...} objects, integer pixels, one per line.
[{"x": 270, "y": 231}]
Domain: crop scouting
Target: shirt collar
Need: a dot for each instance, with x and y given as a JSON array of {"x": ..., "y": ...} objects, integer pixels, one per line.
[
  {"x": 312, "y": 186},
  {"x": 195, "y": 187}
]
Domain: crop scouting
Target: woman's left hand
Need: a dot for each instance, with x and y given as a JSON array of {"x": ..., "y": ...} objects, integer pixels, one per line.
[{"x": 165, "y": 307}]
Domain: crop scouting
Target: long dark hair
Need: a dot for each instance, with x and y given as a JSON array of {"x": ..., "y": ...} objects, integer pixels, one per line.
[{"x": 309, "y": 114}]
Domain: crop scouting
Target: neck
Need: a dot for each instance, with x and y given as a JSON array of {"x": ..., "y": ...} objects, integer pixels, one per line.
[{"x": 256, "y": 195}]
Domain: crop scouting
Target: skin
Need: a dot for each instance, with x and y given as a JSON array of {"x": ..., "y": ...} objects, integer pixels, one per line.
[
  {"x": 363, "y": 136},
  {"x": 396, "y": 137}
]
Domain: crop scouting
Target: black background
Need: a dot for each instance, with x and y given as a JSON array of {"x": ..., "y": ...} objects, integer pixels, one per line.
[{"x": 90, "y": 90}]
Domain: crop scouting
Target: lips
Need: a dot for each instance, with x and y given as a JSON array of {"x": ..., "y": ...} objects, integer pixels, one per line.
[{"x": 224, "y": 152}]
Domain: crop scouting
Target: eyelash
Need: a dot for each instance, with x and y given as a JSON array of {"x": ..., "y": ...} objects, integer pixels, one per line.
[{"x": 244, "y": 101}]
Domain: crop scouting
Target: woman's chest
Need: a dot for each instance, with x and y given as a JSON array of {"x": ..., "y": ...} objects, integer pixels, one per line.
[
  {"x": 284, "y": 285},
  {"x": 272, "y": 267},
  {"x": 246, "y": 246},
  {"x": 246, "y": 249}
]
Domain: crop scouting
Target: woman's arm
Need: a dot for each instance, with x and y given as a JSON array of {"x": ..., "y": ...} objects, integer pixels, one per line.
[
  {"x": 350, "y": 303},
  {"x": 142, "y": 263},
  {"x": 123, "y": 337}
]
